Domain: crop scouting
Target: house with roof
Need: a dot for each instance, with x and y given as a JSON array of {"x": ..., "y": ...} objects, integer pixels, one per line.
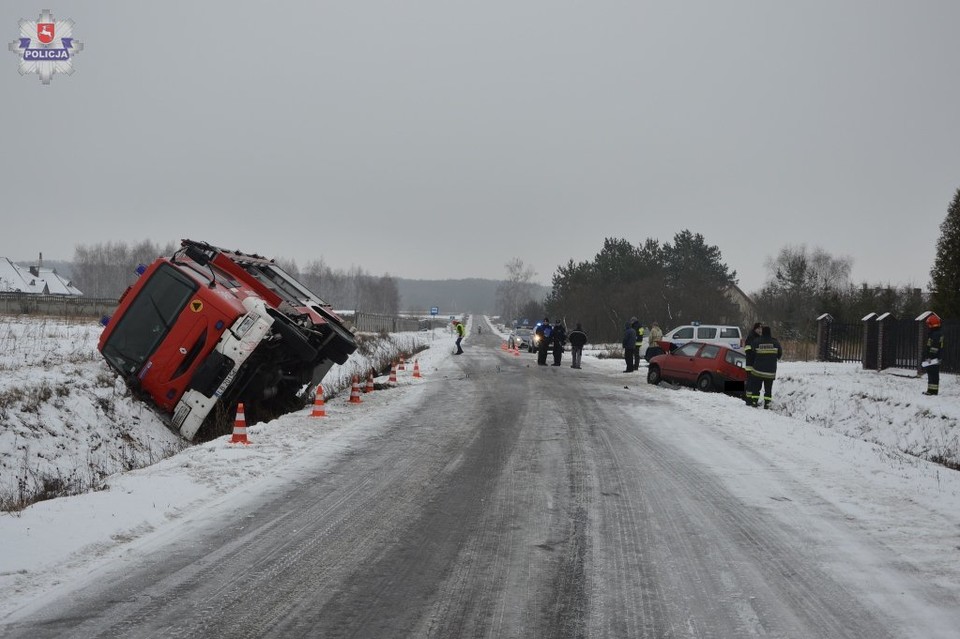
[{"x": 35, "y": 280}]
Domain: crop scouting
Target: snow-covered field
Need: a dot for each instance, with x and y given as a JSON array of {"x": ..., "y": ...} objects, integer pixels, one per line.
[
  {"x": 68, "y": 422},
  {"x": 64, "y": 415}
]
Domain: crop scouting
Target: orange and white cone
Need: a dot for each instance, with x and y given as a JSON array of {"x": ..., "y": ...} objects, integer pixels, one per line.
[
  {"x": 516, "y": 351},
  {"x": 240, "y": 427},
  {"x": 318, "y": 409},
  {"x": 401, "y": 367},
  {"x": 503, "y": 346},
  {"x": 355, "y": 391},
  {"x": 393, "y": 374},
  {"x": 369, "y": 387},
  {"x": 416, "y": 369}
]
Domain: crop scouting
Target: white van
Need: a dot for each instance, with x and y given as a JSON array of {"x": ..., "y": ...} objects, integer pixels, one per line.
[{"x": 727, "y": 335}]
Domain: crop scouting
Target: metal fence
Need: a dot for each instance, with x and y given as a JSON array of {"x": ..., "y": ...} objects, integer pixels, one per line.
[
  {"x": 376, "y": 323},
  {"x": 845, "y": 343},
  {"x": 880, "y": 342},
  {"x": 57, "y": 305}
]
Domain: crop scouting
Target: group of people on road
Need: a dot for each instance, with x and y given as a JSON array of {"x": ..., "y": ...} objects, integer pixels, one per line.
[
  {"x": 761, "y": 348},
  {"x": 553, "y": 338}
]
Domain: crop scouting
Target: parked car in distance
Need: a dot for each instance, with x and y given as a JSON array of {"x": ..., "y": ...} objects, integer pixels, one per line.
[
  {"x": 707, "y": 366},
  {"x": 713, "y": 333},
  {"x": 521, "y": 338}
]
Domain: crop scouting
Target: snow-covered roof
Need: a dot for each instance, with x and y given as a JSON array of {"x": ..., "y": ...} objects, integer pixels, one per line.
[{"x": 38, "y": 280}]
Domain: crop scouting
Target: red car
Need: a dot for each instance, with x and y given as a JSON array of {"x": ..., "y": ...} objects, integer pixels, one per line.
[{"x": 704, "y": 365}]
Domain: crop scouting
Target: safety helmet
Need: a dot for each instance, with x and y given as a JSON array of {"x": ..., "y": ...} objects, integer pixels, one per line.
[{"x": 933, "y": 321}]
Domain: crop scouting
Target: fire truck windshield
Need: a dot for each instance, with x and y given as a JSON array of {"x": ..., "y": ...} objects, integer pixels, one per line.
[{"x": 147, "y": 319}]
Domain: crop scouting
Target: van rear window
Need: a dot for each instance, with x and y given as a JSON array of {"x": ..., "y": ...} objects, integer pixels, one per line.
[{"x": 729, "y": 333}]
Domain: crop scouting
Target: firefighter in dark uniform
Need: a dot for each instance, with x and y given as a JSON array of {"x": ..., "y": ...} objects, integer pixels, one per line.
[
  {"x": 768, "y": 352},
  {"x": 931, "y": 356},
  {"x": 753, "y": 383}
]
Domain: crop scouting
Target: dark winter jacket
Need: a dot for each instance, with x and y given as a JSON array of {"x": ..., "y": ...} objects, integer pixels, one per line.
[
  {"x": 934, "y": 346},
  {"x": 768, "y": 351},
  {"x": 559, "y": 335},
  {"x": 629, "y": 337},
  {"x": 577, "y": 338},
  {"x": 750, "y": 347}
]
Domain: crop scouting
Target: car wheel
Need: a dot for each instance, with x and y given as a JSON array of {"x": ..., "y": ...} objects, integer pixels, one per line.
[
  {"x": 705, "y": 382},
  {"x": 653, "y": 375}
]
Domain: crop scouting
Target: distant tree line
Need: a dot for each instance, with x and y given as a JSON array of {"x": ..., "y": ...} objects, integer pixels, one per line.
[
  {"x": 350, "y": 289},
  {"x": 804, "y": 283},
  {"x": 672, "y": 283},
  {"x": 686, "y": 280},
  {"x": 106, "y": 270}
]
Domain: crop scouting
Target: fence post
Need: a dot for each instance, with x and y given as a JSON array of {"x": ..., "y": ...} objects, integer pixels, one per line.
[
  {"x": 886, "y": 342},
  {"x": 823, "y": 337},
  {"x": 868, "y": 351}
]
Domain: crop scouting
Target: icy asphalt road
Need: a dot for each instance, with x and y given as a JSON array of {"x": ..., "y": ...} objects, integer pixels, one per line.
[{"x": 512, "y": 500}]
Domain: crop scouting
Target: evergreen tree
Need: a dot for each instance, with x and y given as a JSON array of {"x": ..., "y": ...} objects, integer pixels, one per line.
[
  {"x": 945, "y": 275},
  {"x": 695, "y": 282}
]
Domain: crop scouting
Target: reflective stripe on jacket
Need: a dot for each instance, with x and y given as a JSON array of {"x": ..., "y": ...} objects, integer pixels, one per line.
[{"x": 768, "y": 351}]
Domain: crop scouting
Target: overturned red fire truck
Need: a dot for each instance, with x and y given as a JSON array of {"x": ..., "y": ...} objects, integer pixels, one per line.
[{"x": 206, "y": 328}]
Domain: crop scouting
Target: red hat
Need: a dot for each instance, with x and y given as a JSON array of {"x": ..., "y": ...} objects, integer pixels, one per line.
[{"x": 933, "y": 320}]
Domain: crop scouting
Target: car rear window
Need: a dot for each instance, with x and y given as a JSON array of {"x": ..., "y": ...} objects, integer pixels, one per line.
[
  {"x": 706, "y": 332},
  {"x": 726, "y": 333},
  {"x": 735, "y": 358},
  {"x": 710, "y": 351}
]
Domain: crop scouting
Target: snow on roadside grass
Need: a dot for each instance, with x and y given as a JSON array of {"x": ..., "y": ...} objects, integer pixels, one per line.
[
  {"x": 886, "y": 407},
  {"x": 68, "y": 422}
]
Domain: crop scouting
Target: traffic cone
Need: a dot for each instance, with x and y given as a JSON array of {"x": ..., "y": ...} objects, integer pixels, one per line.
[
  {"x": 401, "y": 367},
  {"x": 516, "y": 351},
  {"x": 393, "y": 373},
  {"x": 416, "y": 369},
  {"x": 355, "y": 391},
  {"x": 318, "y": 409},
  {"x": 503, "y": 346},
  {"x": 369, "y": 387},
  {"x": 240, "y": 427}
]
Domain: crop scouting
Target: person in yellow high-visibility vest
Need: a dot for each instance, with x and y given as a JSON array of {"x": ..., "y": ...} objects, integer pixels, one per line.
[{"x": 461, "y": 331}]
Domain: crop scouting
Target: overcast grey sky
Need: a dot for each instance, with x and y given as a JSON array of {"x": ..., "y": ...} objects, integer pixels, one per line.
[{"x": 439, "y": 139}]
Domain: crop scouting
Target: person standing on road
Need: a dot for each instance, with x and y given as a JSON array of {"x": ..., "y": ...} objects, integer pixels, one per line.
[
  {"x": 577, "y": 339},
  {"x": 461, "y": 331},
  {"x": 559, "y": 339},
  {"x": 769, "y": 352},
  {"x": 638, "y": 326},
  {"x": 629, "y": 346},
  {"x": 752, "y": 387},
  {"x": 543, "y": 330},
  {"x": 931, "y": 355},
  {"x": 653, "y": 341}
]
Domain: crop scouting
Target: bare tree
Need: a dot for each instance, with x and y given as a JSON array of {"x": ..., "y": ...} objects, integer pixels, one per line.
[
  {"x": 802, "y": 283},
  {"x": 516, "y": 290}
]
